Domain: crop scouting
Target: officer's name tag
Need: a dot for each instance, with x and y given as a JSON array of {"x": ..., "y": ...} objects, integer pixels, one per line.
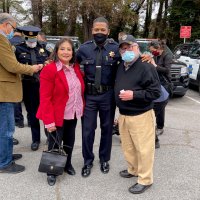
[{"x": 98, "y": 67}]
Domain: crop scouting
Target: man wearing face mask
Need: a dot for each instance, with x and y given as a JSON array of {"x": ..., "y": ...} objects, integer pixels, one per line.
[
  {"x": 10, "y": 93},
  {"x": 99, "y": 58},
  {"x": 31, "y": 52},
  {"x": 137, "y": 85}
]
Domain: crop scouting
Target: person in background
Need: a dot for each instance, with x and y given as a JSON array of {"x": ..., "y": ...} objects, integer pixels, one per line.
[
  {"x": 99, "y": 58},
  {"x": 31, "y": 52},
  {"x": 43, "y": 40},
  {"x": 159, "y": 107},
  {"x": 137, "y": 85},
  {"x": 162, "y": 61},
  {"x": 41, "y": 37},
  {"x": 10, "y": 93},
  {"x": 61, "y": 100},
  {"x": 19, "y": 118}
]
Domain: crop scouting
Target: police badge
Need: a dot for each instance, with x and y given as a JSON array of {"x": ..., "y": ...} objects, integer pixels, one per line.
[
  {"x": 41, "y": 51},
  {"x": 112, "y": 54}
]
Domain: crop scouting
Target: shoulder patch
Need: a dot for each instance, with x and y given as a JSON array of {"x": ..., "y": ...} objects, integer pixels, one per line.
[
  {"x": 112, "y": 41},
  {"x": 88, "y": 42}
]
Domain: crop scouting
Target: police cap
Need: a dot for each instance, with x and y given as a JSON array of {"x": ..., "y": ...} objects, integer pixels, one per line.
[{"x": 30, "y": 32}]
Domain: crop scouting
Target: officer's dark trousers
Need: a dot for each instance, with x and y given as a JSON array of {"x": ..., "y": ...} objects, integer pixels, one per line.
[
  {"x": 66, "y": 133},
  {"x": 31, "y": 101},
  {"x": 159, "y": 108},
  {"x": 19, "y": 118},
  {"x": 104, "y": 104}
]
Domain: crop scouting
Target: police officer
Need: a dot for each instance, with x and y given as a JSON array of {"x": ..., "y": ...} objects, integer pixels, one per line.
[
  {"x": 31, "y": 52},
  {"x": 99, "y": 58},
  {"x": 19, "y": 119}
]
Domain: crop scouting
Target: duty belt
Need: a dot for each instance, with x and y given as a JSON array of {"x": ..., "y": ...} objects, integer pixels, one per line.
[{"x": 92, "y": 90}]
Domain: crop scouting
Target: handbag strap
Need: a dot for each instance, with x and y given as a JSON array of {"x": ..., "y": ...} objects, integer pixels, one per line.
[{"x": 58, "y": 142}]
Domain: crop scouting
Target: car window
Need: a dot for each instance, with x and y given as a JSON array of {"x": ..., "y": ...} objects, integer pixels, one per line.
[
  {"x": 52, "y": 40},
  {"x": 196, "y": 51},
  {"x": 144, "y": 46},
  {"x": 186, "y": 49}
]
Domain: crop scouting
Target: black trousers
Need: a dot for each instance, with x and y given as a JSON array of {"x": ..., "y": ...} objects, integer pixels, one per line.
[
  {"x": 31, "y": 101},
  {"x": 65, "y": 134},
  {"x": 105, "y": 105},
  {"x": 159, "y": 108},
  {"x": 19, "y": 118}
]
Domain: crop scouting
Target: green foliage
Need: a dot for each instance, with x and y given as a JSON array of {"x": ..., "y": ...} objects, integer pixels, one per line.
[{"x": 184, "y": 13}]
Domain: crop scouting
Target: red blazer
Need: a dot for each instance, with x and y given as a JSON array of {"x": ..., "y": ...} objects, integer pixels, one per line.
[{"x": 54, "y": 93}]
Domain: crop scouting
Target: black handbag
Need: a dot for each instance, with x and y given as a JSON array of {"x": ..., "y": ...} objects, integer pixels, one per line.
[{"x": 53, "y": 161}]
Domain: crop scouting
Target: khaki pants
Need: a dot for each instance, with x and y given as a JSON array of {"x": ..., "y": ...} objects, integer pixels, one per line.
[{"x": 138, "y": 144}]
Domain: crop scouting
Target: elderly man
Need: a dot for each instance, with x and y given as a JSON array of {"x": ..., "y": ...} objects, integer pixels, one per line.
[
  {"x": 10, "y": 92},
  {"x": 137, "y": 85}
]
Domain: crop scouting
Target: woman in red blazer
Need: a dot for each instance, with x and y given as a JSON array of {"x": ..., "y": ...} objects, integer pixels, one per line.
[{"x": 61, "y": 99}]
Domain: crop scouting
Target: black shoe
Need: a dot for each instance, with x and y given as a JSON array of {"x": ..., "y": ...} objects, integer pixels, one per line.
[
  {"x": 19, "y": 124},
  {"x": 35, "y": 146},
  {"x": 157, "y": 144},
  {"x": 70, "y": 170},
  {"x": 126, "y": 174},
  {"x": 86, "y": 170},
  {"x": 13, "y": 168},
  {"x": 15, "y": 141},
  {"x": 138, "y": 188},
  {"x": 115, "y": 130},
  {"x": 51, "y": 179},
  {"x": 16, "y": 156},
  {"x": 104, "y": 167}
]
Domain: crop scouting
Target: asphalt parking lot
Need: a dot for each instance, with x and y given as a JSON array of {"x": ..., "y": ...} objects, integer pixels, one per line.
[{"x": 176, "y": 169}]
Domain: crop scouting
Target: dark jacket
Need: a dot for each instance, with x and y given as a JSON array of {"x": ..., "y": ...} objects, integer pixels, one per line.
[
  {"x": 164, "y": 62},
  {"x": 86, "y": 56},
  {"x": 143, "y": 80}
]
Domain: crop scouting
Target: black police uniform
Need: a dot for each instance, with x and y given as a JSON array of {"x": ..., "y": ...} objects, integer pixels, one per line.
[
  {"x": 19, "y": 119},
  {"x": 27, "y": 55},
  {"x": 99, "y": 97}
]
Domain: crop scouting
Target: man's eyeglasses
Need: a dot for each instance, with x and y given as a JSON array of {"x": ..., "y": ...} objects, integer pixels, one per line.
[
  {"x": 122, "y": 50},
  {"x": 14, "y": 29}
]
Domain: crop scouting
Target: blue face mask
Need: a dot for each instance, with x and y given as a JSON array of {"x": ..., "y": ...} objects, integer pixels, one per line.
[
  {"x": 128, "y": 56},
  {"x": 10, "y": 35}
]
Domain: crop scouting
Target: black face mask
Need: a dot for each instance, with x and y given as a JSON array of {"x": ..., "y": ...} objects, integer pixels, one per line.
[{"x": 100, "y": 38}]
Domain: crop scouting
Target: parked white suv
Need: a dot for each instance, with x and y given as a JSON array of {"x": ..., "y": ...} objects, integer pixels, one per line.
[{"x": 191, "y": 59}]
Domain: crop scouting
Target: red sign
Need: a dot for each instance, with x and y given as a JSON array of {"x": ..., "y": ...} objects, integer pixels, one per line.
[{"x": 185, "y": 31}]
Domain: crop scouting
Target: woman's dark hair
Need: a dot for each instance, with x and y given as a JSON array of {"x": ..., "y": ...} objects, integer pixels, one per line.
[
  {"x": 158, "y": 44},
  {"x": 54, "y": 54}
]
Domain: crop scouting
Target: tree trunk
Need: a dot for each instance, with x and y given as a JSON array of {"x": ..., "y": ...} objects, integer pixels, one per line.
[
  {"x": 37, "y": 12},
  {"x": 164, "y": 21},
  {"x": 6, "y": 6},
  {"x": 87, "y": 16},
  {"x": 135, "y": 26},
  {"x": 158, "y": 28},
  {"x": 148, "y": 18},
  {"x": 54, "y": 17}
]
